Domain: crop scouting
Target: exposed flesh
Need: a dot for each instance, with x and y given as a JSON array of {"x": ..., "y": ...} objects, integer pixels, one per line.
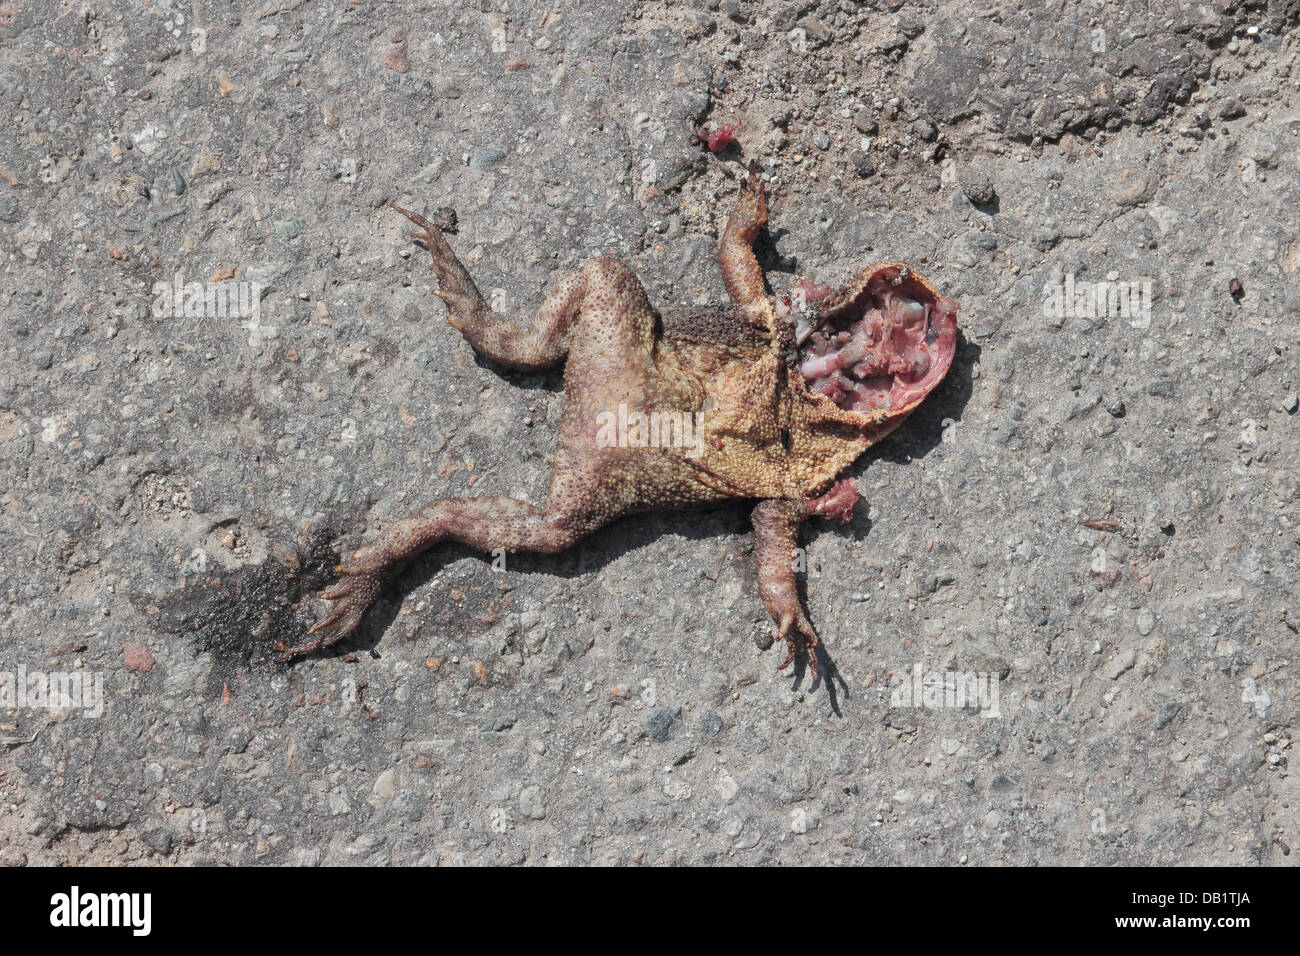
[{"x": 868, "y": 354}]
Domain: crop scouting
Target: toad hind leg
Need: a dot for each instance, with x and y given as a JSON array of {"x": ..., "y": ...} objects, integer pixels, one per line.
[
  {"x": 543, "y": 345},
  {"x": 487, "y": 523}
]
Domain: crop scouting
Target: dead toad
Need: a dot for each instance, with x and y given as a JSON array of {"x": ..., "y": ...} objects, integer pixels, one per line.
[{"x": 764, "y": 399}]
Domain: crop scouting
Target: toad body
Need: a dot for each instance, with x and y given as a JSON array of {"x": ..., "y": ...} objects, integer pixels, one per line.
[{"x": 764, "y": 399}]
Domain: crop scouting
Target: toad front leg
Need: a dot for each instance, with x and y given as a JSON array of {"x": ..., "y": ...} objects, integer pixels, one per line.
[
  {"x": 741, "y": 273},
  {"x": 776, "y": 538}
]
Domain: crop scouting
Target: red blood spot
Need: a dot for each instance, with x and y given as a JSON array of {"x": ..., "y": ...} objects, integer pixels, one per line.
[
  {"x": 837, "y": 504},
  {"x": 137, "y": 657},
  {"x": 719, "y": 139},
  {"x": 513, "y": 65}
]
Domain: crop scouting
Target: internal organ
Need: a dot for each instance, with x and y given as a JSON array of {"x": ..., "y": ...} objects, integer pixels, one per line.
[{"x": 864, "y": 353}]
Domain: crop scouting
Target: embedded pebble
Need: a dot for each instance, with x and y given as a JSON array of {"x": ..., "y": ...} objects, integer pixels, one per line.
[
  {"x": 486, "y": 157},
  {"x": 977, "y": 184},
  {"x": 531, "y": 804},
  {"x": 660, "y": 722}
]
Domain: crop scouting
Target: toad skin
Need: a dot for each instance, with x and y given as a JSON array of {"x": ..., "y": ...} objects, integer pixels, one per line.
[{"x": 782, "y": 399}]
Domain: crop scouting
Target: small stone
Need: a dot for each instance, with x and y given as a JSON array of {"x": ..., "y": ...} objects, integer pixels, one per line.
[
  {"x": 288, "y": 228},
  {"x": 486, "y": 156},
  {"x": 821, "y": 140},
  {"x": 1291, "y": 403},
  {"x": 444, "y": 217},
  {"x": 814, "y": 28},
  {"x": 911, "y": 25},
  {"x": 865, "y": 122},
  {"x": 925, "y": 130},
  {"x": 531, "y": 804},
  {"x": 1115, "y": 406},
  {"x": 1231, "y": 108},
  {"x": 137, "y": 657},
  {"x": 861, "y": 163},
  {"x": 710, "y": 723},
  {"x": 1146, "y": 621},
  {"x": 1168, "y": 711},
  {"x": 385, "y": 785},
  {"x": 1046, "y": 236},
  {"x": 660, "y": 722},
  {"x": 1084, "y": 405},
  {"x": 1120, "y": 663},
  {"x": 1262, "y": 149},
  {"x": 704, "y": 25},
  {"x": 395, "y": 59},
  {"x": 1161, "y": 388},
  {"x": 157, "y": 836},
  {"x": 977, "y": 184},
  {"x": 727, "y": 786}
]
